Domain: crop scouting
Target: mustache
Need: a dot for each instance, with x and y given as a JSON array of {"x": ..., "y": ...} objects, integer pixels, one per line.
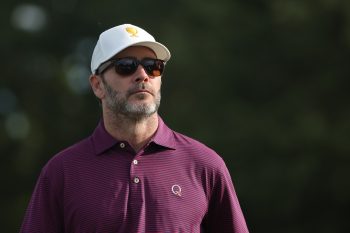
[{"x": 140, "y": 87}]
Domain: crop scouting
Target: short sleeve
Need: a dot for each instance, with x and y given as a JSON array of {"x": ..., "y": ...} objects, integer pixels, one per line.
[
  {"x": 44, "y": 212},
  {"x": 224, "y": 212}
]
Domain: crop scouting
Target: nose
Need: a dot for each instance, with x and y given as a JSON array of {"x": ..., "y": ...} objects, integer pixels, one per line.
[{"x": 141, "y": 75}]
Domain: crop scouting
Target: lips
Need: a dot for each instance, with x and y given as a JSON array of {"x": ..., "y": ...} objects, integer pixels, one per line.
[
  {"x": 141, "y": 88},
  {"x": 140, "y": 91}
]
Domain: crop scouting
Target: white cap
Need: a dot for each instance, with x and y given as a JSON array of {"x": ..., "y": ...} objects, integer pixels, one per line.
[{"x": 115, "y": 39}]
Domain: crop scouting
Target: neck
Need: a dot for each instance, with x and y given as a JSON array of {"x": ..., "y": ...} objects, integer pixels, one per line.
[{"x": 136, "y": 132}]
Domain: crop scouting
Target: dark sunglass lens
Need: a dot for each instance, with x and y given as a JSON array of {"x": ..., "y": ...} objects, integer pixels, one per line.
[
  {"x": 153, "y": 67},
  {"x": 126, "y": 66}
]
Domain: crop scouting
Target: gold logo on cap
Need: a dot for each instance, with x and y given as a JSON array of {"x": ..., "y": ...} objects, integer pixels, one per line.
[{"x": 132, "y": 31}]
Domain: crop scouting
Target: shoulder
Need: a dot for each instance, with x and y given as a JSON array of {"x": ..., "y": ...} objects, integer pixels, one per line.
[
  {"x": 80, "y": 150},
  {"x": 197, "y": 151},
  {"x": 203, "y": 163}
]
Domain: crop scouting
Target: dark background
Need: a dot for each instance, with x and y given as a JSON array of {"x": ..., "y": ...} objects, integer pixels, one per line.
[{"x": 264, "y": 83}]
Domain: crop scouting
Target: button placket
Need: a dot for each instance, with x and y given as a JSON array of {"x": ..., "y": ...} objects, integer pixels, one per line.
[
  {"x": 136, "y": 180},
  {"x": 136, "y": 170}
]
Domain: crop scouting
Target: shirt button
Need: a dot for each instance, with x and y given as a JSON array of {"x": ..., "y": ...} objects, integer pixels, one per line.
[
  {"x": 122, "y": 145},
  {"x": 135, "y": 162},
  {"x": 136, "y": 180}
]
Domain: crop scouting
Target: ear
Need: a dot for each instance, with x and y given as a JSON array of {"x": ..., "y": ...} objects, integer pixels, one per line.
[{"x": 97, "y": 86}]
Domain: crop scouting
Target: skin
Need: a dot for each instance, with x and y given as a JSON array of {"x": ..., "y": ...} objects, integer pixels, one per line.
[{"x": 140, "y": 92}]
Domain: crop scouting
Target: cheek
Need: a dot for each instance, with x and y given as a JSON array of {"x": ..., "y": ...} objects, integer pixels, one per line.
[
  {"x": 116, "y": 86},
  {"x": 157, "y": 84}
]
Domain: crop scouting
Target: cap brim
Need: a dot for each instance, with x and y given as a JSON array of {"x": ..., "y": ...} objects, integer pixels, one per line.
[{"x": 159, "y": 49}]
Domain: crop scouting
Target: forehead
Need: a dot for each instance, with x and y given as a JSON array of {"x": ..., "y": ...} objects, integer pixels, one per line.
[{"x": 137, "y": 51}]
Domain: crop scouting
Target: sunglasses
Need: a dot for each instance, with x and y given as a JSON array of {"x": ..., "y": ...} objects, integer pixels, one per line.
[{"x": 128, "y": 65}]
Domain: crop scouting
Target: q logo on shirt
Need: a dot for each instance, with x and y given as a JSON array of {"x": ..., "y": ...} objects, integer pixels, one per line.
[{"x": 176, "y": 189}]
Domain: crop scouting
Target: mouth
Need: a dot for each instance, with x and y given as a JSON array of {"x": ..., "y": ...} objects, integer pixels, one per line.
[{"x": 141, "y": 91}]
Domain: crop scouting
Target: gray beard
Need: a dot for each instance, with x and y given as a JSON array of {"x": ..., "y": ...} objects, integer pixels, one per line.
[{"x": 119, "y": 105}]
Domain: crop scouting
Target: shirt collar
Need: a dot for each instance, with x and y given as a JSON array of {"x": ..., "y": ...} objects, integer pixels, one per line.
[
  {"x": 103, "y": 141},
  {"x": 164, "y": 136}
]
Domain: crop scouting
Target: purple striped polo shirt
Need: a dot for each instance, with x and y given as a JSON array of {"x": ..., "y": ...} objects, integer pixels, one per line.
[{"x": 100, "y": 185}]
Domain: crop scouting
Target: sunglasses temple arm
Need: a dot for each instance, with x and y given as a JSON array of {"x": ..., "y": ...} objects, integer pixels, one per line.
[{"x": 103, "y": 67}]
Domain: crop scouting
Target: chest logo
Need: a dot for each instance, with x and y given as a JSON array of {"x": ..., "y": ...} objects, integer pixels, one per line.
[{"x": 176, "y": 189}]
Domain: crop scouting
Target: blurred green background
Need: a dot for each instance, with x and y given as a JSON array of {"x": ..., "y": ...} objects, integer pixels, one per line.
[{"x": 264, "y": 83}]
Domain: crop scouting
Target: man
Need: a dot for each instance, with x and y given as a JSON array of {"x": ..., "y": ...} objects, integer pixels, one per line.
[{"x": 133, "y": 174}]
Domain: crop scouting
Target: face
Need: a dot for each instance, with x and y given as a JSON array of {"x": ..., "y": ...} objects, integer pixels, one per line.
[{"x": 136, "y": 96}]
